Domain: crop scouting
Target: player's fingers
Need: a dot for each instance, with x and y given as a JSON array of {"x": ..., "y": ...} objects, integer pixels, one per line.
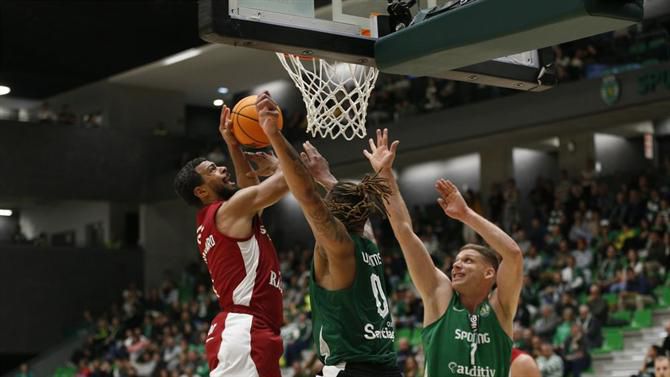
[
  {"x": 394, "y": 146},
  {"x": 304, "y": 157},
  {"x": 451, "y": 186},
  {"x": 310, "y": 149},
  {"x": 373, "y": 147},
  {"x": 442, "y": 203},
  {"x": 379, "y": 137},
  {"x": 224, "y": 114},
  {"x": 441, "y": 187},
  {"x": 385, "y": 136},
  {"x": 367, "y": 154}
]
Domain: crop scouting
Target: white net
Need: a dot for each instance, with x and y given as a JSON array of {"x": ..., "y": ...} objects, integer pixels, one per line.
[{"x": 335, "y": 94}]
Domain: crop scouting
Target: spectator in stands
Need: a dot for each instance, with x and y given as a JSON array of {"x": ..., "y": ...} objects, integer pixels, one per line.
[
  {"x": 656, "y": 258},
  {"x": 573, "y": 276},
  {"x": 579, "y": 229},
  {"x": 550, "y": 364},
  {"x": 45, "y": 114},
  {"x": 404, "y": 352},
  {"x": 547, "y": 323},
  {"x": 662, "y": 366},
  {"x": 575, "y": 351},
  {"x": 563, "y": 329},
  {"x": 24, "y": 371},
  {"x": 607, "y": 269},
  {"x": 591, "y": 327},
  {"x": 532, "y": 262},
  {"x": 636, "y": 292},
  {"x": 18, "y": 237},
  {"x": 583, "y": 258},
  {"x": 666, "y": 341},
  {"x": 511, "y": 197},
  {"x": 647, "y": 369},
  {"x": 66, "y": 115},
  {"x": 620, "y": 210},
  {"x": 411, "y": 367}
]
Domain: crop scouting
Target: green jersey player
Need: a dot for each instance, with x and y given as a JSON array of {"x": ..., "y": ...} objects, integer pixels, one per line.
[{"x": 467, "y": 322}]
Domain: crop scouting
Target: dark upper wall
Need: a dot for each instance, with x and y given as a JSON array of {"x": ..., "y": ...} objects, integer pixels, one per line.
[
  {"x": 45, "y": 290},
  {"x": 52, "y": 161}
]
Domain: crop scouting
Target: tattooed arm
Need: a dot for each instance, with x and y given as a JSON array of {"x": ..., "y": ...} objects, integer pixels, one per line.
[{"x": 334, "y": 258}]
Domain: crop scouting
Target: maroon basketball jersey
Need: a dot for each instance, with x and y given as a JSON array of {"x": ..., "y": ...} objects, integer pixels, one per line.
[{"x": 245, "y": 272}]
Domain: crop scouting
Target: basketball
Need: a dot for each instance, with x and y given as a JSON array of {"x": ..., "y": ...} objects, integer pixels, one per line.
[{"x": 246, "y": 128}]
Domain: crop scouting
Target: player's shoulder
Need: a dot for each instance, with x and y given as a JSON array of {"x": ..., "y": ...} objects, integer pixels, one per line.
[{"x": 524, "y": 366}]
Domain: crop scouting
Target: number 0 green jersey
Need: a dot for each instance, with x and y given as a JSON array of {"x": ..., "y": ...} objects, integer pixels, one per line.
[{"x": 354, "y": 324}]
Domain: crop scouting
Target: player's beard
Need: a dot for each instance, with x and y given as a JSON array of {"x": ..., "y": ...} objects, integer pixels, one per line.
[{"x": 226, "y": 192}]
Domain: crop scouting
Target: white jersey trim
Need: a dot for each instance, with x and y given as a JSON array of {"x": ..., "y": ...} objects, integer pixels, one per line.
[{"x": 250, "y": 252}]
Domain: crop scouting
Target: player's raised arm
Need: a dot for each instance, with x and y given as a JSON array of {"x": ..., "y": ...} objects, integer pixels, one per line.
[
  {"x": 243, "y": 171},
  {"x": 320, "y": 170},
  {"x": 334, "y": 245},
  {"x": 433, "y": 285},
  {"x": 509, "y": 277}
]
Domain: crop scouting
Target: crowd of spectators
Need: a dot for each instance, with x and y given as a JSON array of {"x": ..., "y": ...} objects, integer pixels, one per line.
[
  {"x": 594, "y": 248},
  {"x": 628, "y": 49},
  {"x": 65, "y": 115}
]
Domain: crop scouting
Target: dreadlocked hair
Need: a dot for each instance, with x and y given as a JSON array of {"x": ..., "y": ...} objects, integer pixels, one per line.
[{"x": 353, "y": 203}]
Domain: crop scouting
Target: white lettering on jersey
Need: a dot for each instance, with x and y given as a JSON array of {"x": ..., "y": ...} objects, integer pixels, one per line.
[
  {"x": 198, "y": 233},
  {"x": 275, "y": 280},
  {"x": 469, "y": 337},
  {"x": 372, "y": 334},
  {"x": 471, "y": 370},
  {"x": 372, "y": 260}
]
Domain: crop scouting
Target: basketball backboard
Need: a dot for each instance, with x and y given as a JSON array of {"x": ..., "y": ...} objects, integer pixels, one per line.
[{"x": 366, "y": 32}]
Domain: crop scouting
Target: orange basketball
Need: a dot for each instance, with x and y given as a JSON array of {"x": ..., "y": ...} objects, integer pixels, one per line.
[{"x": 246, "y": 128}]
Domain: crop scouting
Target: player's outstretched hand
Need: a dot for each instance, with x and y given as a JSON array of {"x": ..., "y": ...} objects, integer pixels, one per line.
[
  {"x": 317, "y": 165},
  {"x": 450, "y": 199},
  {"x": 265, "y": 164},
  {"x": 226, "y": 127},
  {"x": 381, "y": 156},
  {"x": 268, "y": 113}
]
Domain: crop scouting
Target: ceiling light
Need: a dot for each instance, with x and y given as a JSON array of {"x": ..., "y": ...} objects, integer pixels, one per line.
[
  {"x": 4, "y": 90},
  {"x": 6, "y": 212},
  {"x": 223, "y": 90},
  {"x": 182, "y": 56},
  {"x": 218, "y": 102}
]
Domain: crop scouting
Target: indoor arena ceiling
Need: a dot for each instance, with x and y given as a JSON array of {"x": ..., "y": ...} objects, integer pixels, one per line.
[{"x": 51, "y": 46}]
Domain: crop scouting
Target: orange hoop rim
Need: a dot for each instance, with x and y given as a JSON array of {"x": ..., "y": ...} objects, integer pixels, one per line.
[{"x": 305, "y": 58}]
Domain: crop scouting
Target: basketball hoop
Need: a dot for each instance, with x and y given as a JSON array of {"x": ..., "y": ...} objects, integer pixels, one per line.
[{"x": 335, "y": 94}]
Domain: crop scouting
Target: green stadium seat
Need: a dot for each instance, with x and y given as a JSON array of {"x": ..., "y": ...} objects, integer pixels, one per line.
[
  {"x": 642, "y": 318},
  {"x": 582, "y": 298},
  {"x": 611, "y": 298},
  {"x": 622, "y": 315},
  {"x": 400, "y": 333},
  {"x": 612, "y": 341},
  {"x": 65, "y": 372},
  {"x": 662, "y": 296}
]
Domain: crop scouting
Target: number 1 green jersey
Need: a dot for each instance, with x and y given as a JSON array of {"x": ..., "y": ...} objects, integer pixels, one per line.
[
  {"x": 461, "y": 344},
  {"x": 354, "y": 324}
]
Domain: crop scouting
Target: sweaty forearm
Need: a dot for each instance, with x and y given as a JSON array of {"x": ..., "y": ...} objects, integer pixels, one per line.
[
  {"x": 242, "y": 167},
  {"x": 494, "y": 236},
  {"x": 297, "y": 176}
]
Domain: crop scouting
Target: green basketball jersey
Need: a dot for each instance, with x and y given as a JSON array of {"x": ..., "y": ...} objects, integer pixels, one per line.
[
  {"x": 354, "y": 324},
  {"x": 460, "y": 344}
]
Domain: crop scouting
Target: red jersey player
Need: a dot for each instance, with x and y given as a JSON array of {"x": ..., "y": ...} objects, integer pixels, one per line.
[{"x": 244, "y": 339}]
